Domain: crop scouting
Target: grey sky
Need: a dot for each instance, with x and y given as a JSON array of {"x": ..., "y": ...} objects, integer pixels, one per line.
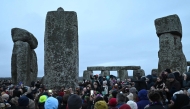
[{"x": 111, "y": 32}]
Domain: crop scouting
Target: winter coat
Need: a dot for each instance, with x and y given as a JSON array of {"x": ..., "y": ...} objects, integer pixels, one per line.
[
  {"x": 155, "y": 106},
  {"x": 143, "y": 99}
]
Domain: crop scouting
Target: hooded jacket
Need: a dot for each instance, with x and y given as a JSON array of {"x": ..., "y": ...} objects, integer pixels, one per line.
[{"x": 143, "y": 99}]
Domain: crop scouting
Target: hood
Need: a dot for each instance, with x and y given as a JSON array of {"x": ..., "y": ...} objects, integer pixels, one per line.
[
  {"x": 142, "y": 94},
  {"x": 51, "y": 103}
]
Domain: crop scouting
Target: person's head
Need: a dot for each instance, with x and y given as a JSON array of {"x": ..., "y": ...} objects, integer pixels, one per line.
[
  {"x": 132, "y": 104},
  {"x": 120, "y": 98},
  {"x": 74, "y": 102},
  {"x": 65, "y": 98},
  {"x": 142, "y": 94},
  {"x": 171, "y": 77},
  {"x": 179, "y": 101},
  {"x": 167, "y": 71},
  {"x": 95, "y": 84},
  {"x": 100, "y": 105},
  {"x": 51, "y": 103},
  {"x": 114, "y": 94},
  {"x": 99, "y": 98},
  {"x": 112, "y": 102},
  {"x": 23, "y": 101},
  {"x": 154, "y": 96},
  {"x": 159, "y": 79}
]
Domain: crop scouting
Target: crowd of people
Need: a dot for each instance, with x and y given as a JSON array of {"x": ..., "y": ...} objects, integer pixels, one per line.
[{"x": 169, "y": 90}]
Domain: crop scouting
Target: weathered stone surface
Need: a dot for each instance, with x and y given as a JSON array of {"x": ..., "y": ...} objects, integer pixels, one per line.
[
  {"x": 154, "y": 72},
  {"x": 19, "y": 34},
  {"x": 188, "y": 63},
  {"x": 33, "y": 66},
  {"x": 86, "y": 74},
  {"x": 141, "y": 71},
  {"x": 61, "y": 49},
  {"x": 105, "y": 73},
  {"x": 20, "y": 63},
  {"x": 113, "y": 68},
  {"x": 122, "y": 74},
  {"x": 168, "y": 24},
  {"x": 170, "y": 53}
]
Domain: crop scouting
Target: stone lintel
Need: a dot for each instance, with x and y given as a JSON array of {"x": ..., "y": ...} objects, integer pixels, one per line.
[
  {"x": 188, "y": 63},
  {"x": 168, "y": 24},
  {"x": 113, "y": 68}
]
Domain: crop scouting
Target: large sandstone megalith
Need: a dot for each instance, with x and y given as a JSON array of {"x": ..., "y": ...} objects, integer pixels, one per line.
[
  {"x": 61, "y": 49},
  {"x": 24, "y": 61},
  {"x": 170, "y": 54}
]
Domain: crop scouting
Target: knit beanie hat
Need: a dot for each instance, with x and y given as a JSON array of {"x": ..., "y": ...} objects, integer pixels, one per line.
[
  {"x": 23, "y": 101},
  {"x": 171, "y": 75},
  {"x": 132, "y": 104},
  {"x": 51, "y": 103},
  {"x": 43, "y": 98},
  {"x": 125, "y": 106},
  {"x": 100, "y": 105},
  {"x": 130, "y": 96},
  {"x": 112, "y": 102},
  {"x": 74, "y": 102}
]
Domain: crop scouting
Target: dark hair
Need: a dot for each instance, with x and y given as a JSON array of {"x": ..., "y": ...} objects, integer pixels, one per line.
[
  {"x": 99, "y": 98},
  {"x": 154, "y": 96}
]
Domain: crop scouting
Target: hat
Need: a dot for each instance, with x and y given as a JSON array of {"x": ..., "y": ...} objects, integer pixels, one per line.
[
  {"x": 5, "y": 96},
  {"x": 43, "y": 98},
  {"x": 171, "y": 75},
  {"x": 125, "y": 106},
  {"x": 130, "y": 96},
  {"x": 51, "y": 103},
  {"x": 100, "y": 105},
  {"x": 112, "y": 102},
  {"x": 74, "y": 102},
  {"x": 23, "y": 101},
  {"x": 132, "y": 104}
]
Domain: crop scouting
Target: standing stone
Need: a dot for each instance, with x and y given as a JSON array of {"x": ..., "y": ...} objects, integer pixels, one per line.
[
  {"x": 169, "y": 31},
  {"x": 122, "y": 74},
  {"x": 20, "y": 69},
  {"x": 154, "y": 72},
  {"x": 140, "y": 71},
  {"x": 105, "y": 73},
  {"x": 24, "y": 61},
  {"x": 33, "y": 66},
  {"x": 61, "y": 49},
  {"x": 86, "y": 74}
]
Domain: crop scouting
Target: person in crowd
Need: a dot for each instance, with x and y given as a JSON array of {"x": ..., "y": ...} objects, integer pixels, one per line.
[
  {"x": 172, "y": 85},
  {"x": 159, "y": 85},
  {"x": 132, "y": 104},
  {"x": 121, "y": 100},
  {"x": 74, "y": 102},
  {"x": 100, "y": 105},
  {"x": 143, "y": 99},
  {"x": 51, "y": 103},
  {"x": 149, "y": 81},
  {"x": 186, "y": 79},
  {"x": 112, "y": 103},
  {"x": 179, "y": 101},
  {"x": 42, "y": 100},
  {"x": 155, "y": 100},
  {"x": 178, "y": 77}
]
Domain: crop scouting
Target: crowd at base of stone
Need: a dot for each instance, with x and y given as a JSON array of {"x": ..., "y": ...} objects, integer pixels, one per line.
[{"x": 170, "y": 90}]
